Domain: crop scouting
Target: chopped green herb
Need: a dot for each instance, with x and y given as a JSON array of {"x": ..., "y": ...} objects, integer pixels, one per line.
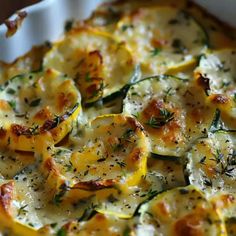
[
  {"x": 127, "y": 231},
  {"x": 12, "y": 104},
  {"x": 11, "y": 91},
  {"x": 164, "y": 118},
  {"x": 216, "y": 124},
  {"x": 87, "y": 77},
  {"x": 22, "y": 210},
  {"x": 35, "y": 102},
  {"x": 58, "y": 197},
  {"x": 125, "y": 27},
  {"x": 155, "y": 52}
]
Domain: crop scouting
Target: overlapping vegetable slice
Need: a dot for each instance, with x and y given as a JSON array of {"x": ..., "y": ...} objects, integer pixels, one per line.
[
  {"x": 180, "y": 211},
  {"x": 98, "y": 63},
  {"x": 32, "y": 104},
  {"x": 216, "y": 74},
  {"x": 173, "y": 112},
  {"x": 109, "y": 161},
  {"x": 8, "y": 225},
  {"x": 211, "y": 163},
  {"x": 157, "y": 37}
]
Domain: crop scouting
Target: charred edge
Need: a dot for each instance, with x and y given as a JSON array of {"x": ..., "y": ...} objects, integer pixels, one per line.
[{"x": 95, "y": 185}]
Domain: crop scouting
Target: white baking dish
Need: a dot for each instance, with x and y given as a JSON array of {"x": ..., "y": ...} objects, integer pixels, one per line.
[{"x": 45, "y": 21}]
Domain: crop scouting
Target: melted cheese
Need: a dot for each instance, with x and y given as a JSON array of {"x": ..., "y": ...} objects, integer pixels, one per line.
[
  {"x": 173, "y": 112},
  {"x": 89, "y": 175},
  {"x": 181, "y": 211},
  {"x": 95, "y": 60},
  {"x": 158, "y": 39},
  {"x": 35, "y": 103},
  {"x": 212, "y": 163}
]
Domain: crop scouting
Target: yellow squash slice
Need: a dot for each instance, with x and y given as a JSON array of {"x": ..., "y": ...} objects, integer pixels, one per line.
[
  {"x": 33, "y": 104},
  {"x": 98, "y": 63},
  {"x": 216, "y": 74},
  {"x": 108, "y": 162}
]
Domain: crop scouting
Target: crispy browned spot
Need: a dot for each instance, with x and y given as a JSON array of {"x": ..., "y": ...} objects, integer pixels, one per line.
[
  {"x": 135, "y": 125},
  {"x": 43, "y": 114},
  {"x": 3, "y": 133},
  {"x": 48, "y": 125},
  {"x": 13, "y": 25},
  {"x": 49, "y": 165},
  {"x": 162, "y": 209},
  {"x": 20, "y": 130},
  {"x": 219, "y": 99},
  {"x": 190, "y": 225},
  {"x": 135, "y": 155},
  {"x": 153, "y": 109},
  {"x": 6, "y": 197},
  {"x": 95, "y": 185}
]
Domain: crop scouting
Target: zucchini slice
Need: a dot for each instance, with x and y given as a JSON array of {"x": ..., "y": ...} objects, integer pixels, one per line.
[
  {"x": 218, "y": 69},
  {"x": 172, "y": 111},
  {"x": 12, "y": 162},
  {"x": 162, "y": 38},
  {"x": 32, "y": 104},
  {"x": 216, "y": 74},
  {"x": 211, "y": 163},
  {"x": 180, "y": 211},
  {"x": 108, "y": 162},
  {"x": 98, "y": 63}
]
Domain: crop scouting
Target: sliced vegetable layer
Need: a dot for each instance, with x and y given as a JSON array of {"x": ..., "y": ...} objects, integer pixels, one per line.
[
  {"x": 216, "y": 74},
  {"x": 32, "y": 104},
  {"x": 211, "y": 163},
  {"x": 180, "y": 211},
  {"x": 172, "y": 112},
  {"x": 98, "y": 63},
  {"x": 162, "y": 38},
  {"x": 218, "y": 69},
  {"x": 110, "y": 159}
]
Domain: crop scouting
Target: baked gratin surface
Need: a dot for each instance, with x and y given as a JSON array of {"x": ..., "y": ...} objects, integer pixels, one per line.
[{"x": 125, "y": 126}]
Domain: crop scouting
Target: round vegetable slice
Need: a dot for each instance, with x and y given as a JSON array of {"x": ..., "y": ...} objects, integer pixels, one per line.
[
  {"x": 216, "y": 74},
  {"x": 162, "y": 38},
  {"x": 32, "y": 104},
  {"x": 172, "y": 111},
  {"x": 98, "y": 63},
  {"x": 180, "y": 211},
  {"x": 211, "y": 163},
  {"x": 108, "y": 162}
]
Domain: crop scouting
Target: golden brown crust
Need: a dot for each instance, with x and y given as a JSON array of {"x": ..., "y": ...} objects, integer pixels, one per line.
[{"x": 6, "y": 197}]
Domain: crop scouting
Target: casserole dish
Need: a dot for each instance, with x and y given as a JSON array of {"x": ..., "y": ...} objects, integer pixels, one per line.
[{"x": 122, "y": 123}]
